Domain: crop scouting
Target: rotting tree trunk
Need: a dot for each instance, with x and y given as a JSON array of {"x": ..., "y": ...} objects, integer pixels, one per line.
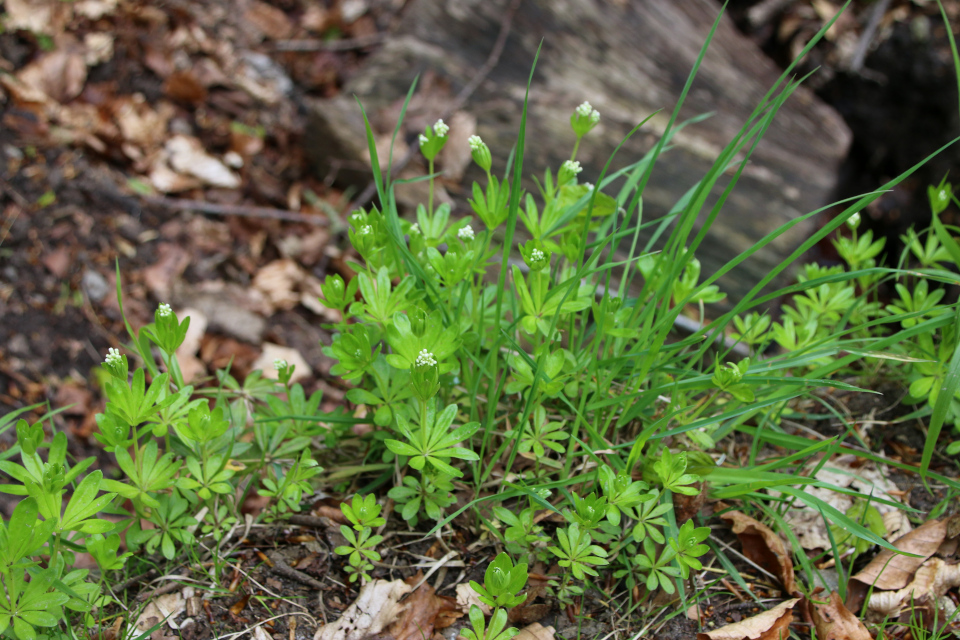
[{"x": 628, "y": 58}]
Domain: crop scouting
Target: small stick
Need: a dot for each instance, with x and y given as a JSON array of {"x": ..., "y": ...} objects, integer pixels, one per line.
[
  {"x": 129, "y": 582},
  {"x": 235, "y": 210},
  {"x": 280, "y": 566},
  {"x": 312, "y": 44}
]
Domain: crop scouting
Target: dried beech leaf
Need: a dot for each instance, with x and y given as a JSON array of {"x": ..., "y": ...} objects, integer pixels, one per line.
[
  {"x": 763, "y": 546},
  {"x": 769, "y": 625},
  {"x": 834, "y": 621},
  {"x": 893, "y": 571},
  {"x": 466, "y": 597},
  {"x": 933, "y": 579},
  {"x": 273, "y": 352},
  {"x": 536, "y": 631},
  {"x": 424, "y": 612},
  {"x": 377, "y": 606}
]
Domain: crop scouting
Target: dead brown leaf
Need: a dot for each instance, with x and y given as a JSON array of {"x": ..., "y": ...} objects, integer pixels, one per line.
[
  {"x": 423, "y": 613},
  {"x": 269, "y": 21},
  {"x": 170, "y": 265},
  {"x": 773, "y": 624},
  {"x": 184, "y": 85},
  {"x": 279, "y": 282},
  {"x": 376, "y": 608},
  {"x": 834, "y": 621},
  {"x": 273, "y": 352},
  {"x": 889, "y": 570},
  {"x": 536, "y": 631},
  {"x": 59, "y": 74},
  {"x": 763, "y": 546},
  {"x": 932, "y": 580}
]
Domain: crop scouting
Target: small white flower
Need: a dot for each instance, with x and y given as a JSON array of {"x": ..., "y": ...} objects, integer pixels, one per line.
[
  {"x": 594, "y": 116},
  {"x": 853, "y": 221},
  {"x": 356, "y": 216},
  {"x": 466, "y": 233},
  {"x": 414, "y": 229},
  {"x": 588, "y": 185},
  {"x": 365, "y": 230},
  {"x": 164, "y": 310},
  {"x": 359, "y": 354},
  {"x": 475, "y": 142},
  {"x": 426, "y": 359},
  {"x": 113, "y": 357},
  {"x": 536, "y": 255},
  {"x": 423, "y": 139},
  {"x": 584, "y": 109},
  {"x": 279, "y": 364},
  {"x": 440, "y": 128},
  {"x": 573, "y": 166}
]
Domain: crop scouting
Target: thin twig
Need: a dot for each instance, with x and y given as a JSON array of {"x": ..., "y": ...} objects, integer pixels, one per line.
[
  {"x": 310, "y": 521},
  {"x": 236, "y": 210},
  {"x": 458, "y": 102},
  {"x": 863, "y": 45},
  {"x": 313, "y": 44},
  {"x": 280, "y": 566},
  {"x": 129, "y": 582}
]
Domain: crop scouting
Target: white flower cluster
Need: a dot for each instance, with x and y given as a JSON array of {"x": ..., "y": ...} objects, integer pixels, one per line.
[
  {"x": 440, "y": 129},
  {"x": 279, "y": 364},
  {"x": 588, "y": 185},
  {"x": 365, "y": 230},
  {"x": 475, "y": 142},
  {"x": 536, "y": 255},
  {"x": 414, "y": 229},
  {"x": 573, "y": 166},
  {"x": 426, "y": 359},
  {"x": 164, "y": 310},
  {"x": 113, "y": 357},
  {"x": 466, "y": 233},
  {"x": 423, "y": 139},
  {"x": 585, "y": 110}
]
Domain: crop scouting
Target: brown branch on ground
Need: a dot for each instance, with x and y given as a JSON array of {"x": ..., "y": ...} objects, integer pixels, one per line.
[
  {"x": 281, "y": 567},
  {"x": 236, "y": 210}
]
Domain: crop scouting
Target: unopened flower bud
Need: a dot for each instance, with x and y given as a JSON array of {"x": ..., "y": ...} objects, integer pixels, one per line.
[{"x": 480, "y": 153}]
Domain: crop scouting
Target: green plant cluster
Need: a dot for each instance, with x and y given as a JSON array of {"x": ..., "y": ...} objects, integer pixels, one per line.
[{"x": 538, "y": 388}]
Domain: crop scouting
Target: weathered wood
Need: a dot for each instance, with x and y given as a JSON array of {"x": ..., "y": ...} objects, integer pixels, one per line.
[{"x": 629, "y": 59}]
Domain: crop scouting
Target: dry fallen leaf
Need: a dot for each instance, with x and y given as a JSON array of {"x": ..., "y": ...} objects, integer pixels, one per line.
[
  {"x": 425, "y": 611},
  {"x": 763, "y": 546},
  {"x": 889, "y": 570},
  {"x": 187, "y": 156},
  {"x": 846, "y": 471},
  {"x": 835, "y": 622},
  {"x": 190, "y": 364},
  {"x": 377, "y": 606},
  {"x": 536, "y": 631},
  {"x": 279, "y": 282},
  {"x": 932, "y": 580},
  {"x": 273, "y": 352},
  {"x": 466, "y": 597},
  {"x": 171, "y": 604},
  {"x": 171, "y": 262},
  {"x": 773, "y": 624},
  {"x": 60, "y": 74}
]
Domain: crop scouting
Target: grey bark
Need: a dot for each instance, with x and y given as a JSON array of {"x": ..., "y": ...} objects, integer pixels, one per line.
[{"x": 628, "y": 59}]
